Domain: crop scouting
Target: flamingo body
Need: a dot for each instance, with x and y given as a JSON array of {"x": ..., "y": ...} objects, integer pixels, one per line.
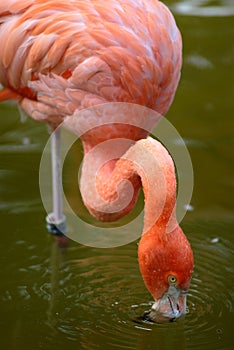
[
  {"x": 88, "y": 52},
  {"x": 61, "y": 57}
]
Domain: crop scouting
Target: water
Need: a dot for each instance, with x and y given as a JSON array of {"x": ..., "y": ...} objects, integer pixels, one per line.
[{"x": 89, "y": 298}]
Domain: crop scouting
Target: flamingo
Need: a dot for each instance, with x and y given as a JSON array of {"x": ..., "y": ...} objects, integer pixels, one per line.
[{"x": 60, "y": 57}]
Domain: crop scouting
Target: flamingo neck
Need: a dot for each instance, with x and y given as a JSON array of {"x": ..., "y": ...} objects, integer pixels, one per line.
[{"x": 110, "y": 183}]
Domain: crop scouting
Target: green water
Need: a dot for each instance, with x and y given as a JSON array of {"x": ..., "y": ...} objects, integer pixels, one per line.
[{"x": 88, "y": 298}]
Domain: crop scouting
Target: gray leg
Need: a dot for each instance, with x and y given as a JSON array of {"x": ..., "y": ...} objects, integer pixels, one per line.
[{"x": 56, "y": 221}]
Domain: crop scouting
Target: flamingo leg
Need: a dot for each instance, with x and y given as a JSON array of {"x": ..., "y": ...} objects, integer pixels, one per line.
[{"x": 56, "y": 221}]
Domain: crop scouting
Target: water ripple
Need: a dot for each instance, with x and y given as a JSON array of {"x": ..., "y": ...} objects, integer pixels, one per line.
[
  {"x": 93, "y": 297},
  {"x": 209, "y": 298},
  {"x": 103, "y": 294}
]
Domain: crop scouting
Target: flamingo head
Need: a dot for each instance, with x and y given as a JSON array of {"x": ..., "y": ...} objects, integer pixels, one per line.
[{"x": 166, "y": 264}]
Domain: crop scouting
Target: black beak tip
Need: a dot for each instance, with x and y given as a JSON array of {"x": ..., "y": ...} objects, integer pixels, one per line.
[
  {"x": 144, "y": 318},
  {"x": 147, "y": 317}
]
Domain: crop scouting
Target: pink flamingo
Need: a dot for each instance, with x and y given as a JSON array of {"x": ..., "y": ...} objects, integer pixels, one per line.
[{"x": 59, "y": 57}]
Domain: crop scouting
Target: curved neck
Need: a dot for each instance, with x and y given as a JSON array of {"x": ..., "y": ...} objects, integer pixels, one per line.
[{"x": 113, "y": 172}]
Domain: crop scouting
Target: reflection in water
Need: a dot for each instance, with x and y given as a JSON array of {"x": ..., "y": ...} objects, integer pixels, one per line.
[
  {"x": 205, "y": 8},
  {"x": 199, "y": 62}
]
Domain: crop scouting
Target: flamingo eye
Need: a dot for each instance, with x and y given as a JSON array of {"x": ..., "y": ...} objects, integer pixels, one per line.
[{"x": 172, "y": 279}]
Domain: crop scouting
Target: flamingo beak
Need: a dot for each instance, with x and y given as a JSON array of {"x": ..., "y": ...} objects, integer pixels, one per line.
[{"x": 169, "y": 307}]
